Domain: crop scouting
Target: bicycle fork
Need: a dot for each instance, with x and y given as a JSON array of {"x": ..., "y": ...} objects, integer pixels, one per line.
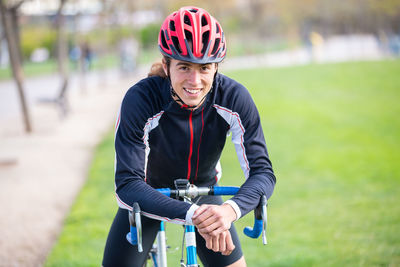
[
  {"x": 162, "y": 246},
  {"x": 191, "y": 254}
]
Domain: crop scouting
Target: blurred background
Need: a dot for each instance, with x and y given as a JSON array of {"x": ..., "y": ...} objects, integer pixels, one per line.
[
  {"x": 324, "y": 75},
  {"x": 103, "y": 32},
  {"x": 253, "y": 26},
  {"x": 68, "y": 36}
]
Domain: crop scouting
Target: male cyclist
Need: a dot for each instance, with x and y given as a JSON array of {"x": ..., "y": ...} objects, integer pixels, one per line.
[{"x": 173, "y": 124}]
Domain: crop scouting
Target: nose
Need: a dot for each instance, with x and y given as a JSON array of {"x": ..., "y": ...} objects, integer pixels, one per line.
[{"x": 194, "y": 77}]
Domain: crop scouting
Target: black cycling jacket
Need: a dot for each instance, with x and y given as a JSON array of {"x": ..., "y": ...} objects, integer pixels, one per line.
[{"x": 158, "y": 141}]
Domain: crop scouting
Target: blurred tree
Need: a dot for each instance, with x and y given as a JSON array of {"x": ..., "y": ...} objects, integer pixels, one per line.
[
  {"x": 13, "y": 10},
  {"x": 385, "y": 15},
  {"x": 61, "y": 41},
  {"x": 296, "y": 19},
  {"x": 149, "y": 35},
  {"x": 62, "y": 52},
  {"x": 264, "y": 20},
  {"x": 8, "y": 14}
]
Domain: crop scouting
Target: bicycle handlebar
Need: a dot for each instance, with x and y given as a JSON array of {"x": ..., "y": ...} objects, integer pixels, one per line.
[
  {"x": 260, "y": 221},
  {"x": 193, "y": 191}
]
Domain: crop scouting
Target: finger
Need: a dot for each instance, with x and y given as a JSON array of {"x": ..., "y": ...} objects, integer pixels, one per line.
[
  {"x": 226, "y": 252},
  {"x": 222, "y": 242},
  {"x": 212, "y": 223},
  {"x": 199, "y": 211},
  {"x": 230, "y": 246},
  {"x": 208, "y": 224},
  {"x": 206, "y": 211},
  {"x": 208, "y": 240},
  {"x": 209, "y": 219},
  {"x": 202, "y": 221},
  {"x": 209, "y": 243},
  {"x": 214, "y": 229},
  {"x": 200, "y": 217},
  {"x": 215, "y": 244}
]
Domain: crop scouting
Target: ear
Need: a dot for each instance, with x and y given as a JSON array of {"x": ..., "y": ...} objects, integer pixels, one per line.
[{"x": 165, "y": 67}]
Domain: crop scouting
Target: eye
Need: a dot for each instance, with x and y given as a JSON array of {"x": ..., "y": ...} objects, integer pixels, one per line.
[
  {"x": 183, "y": 68},
  {"x": 206, "y": 67}
]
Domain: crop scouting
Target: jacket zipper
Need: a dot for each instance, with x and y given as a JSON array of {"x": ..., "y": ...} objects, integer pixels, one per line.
[
  {"x": 191, "y": 145},
  {"x": 198, "y": 148}
]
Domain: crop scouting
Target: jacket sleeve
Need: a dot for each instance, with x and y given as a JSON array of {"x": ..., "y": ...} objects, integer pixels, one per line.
[
  {"x": 248, "y": 138},
  {"x": 130, "y": 161}
]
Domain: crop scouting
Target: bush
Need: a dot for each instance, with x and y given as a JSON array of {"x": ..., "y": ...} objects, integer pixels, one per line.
[
  {"x": 149, "y": 35},
  {"x": 35, "y": 37}
]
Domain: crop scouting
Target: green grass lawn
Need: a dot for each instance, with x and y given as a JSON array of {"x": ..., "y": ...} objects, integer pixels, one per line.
[
  {"x": 333, "y": 133},
  {"x": 32, "y": 69}
]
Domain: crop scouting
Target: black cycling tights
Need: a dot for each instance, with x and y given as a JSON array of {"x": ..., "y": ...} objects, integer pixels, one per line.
[{"x": 120, "y": 253}]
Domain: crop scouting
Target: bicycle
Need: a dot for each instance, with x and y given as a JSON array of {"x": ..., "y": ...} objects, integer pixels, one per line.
[{"x": 187, "y": 191}]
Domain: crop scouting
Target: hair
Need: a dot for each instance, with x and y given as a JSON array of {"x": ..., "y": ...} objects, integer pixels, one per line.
[{"x": 157, "y": 68}]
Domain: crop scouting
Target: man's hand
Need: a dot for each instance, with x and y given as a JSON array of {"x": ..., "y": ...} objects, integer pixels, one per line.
[
  {"x": 213, "y": 220},
  {"x": 221, "y": 243}
]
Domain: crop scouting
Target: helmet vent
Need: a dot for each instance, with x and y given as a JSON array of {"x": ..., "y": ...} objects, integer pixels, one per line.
[
  {"x": 163, "y": 41},
  {"x": 189, "y": 38},
  {"x": 205, "y": 38},
  {"x": 217, "y": 26},
  {"x": 216, "y": 46},
  {"x": 172, "y": 25},
  {"x": 203, "y": 21},
  {"x": 193, "y": 10},
  {"x": 187, "y": 21},
  {"x": 176, "y": 44}
]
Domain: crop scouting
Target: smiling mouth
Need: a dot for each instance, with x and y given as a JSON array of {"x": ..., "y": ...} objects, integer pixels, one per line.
[{"x": 192, "y": 90}]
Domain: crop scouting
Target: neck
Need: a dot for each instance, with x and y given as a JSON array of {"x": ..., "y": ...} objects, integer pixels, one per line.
[
  {"x": 179, "y": 100},
  {"x": 183, "y": 105}
]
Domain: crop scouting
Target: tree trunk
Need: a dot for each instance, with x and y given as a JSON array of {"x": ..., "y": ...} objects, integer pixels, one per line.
[
  {"x": 16, "y": 29},
  {"x": 62, "y": 49},
  {"x": 15, "y": 62},
  {"x": 61, "y": 42}
]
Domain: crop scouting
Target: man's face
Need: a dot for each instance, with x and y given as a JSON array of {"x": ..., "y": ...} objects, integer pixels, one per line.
[{"x": 191, "y": 81}]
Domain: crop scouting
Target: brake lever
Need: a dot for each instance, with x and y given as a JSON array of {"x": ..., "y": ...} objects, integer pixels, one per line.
[
  {"x": 264, "y": 215},
  {"x": 260, "y": 222},
  {"x": 138, "y": 220},
  {"x": 135, "y": 235}
]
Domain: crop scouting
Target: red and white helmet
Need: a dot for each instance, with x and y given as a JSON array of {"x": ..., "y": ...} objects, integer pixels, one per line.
[{"x": 192, "y": 34}]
